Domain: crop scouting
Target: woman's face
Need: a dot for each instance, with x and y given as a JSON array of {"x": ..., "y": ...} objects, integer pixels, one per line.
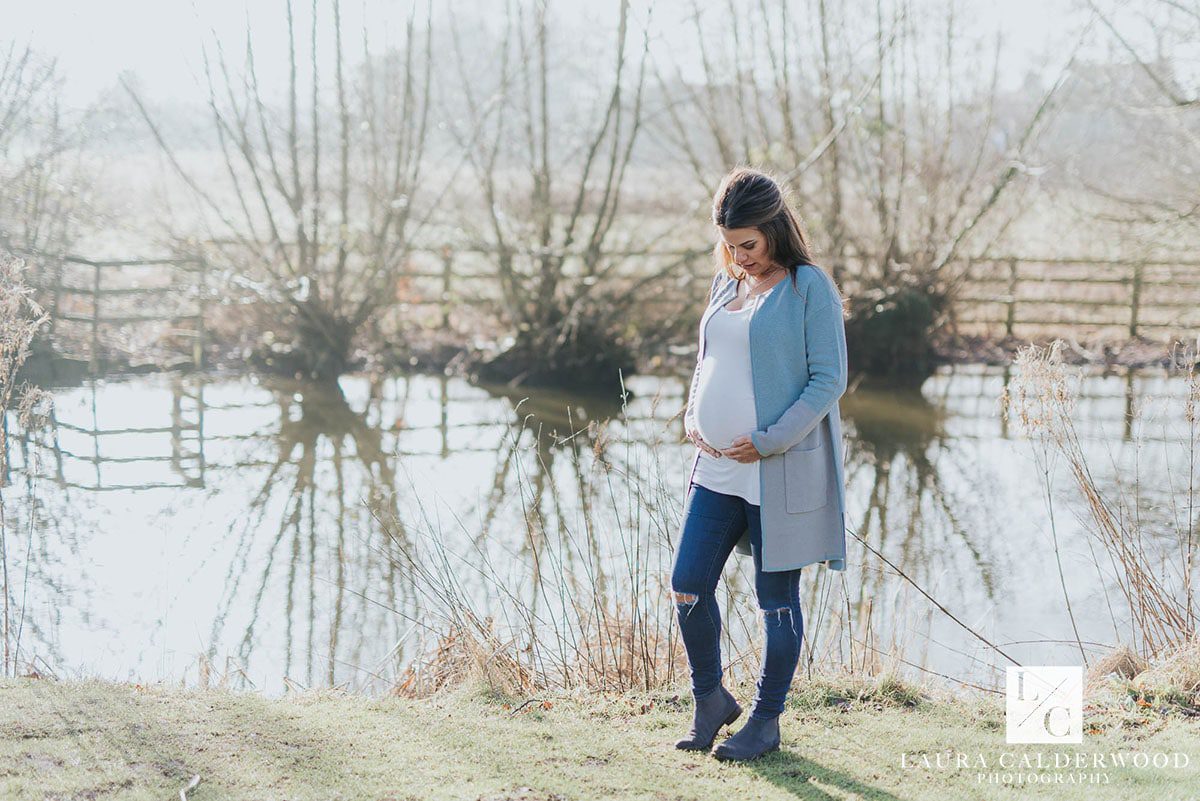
[{"x": 747, "y": 248}]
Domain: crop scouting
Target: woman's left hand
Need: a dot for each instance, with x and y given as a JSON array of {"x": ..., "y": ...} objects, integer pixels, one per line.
[{"x": 742, "y": 450}]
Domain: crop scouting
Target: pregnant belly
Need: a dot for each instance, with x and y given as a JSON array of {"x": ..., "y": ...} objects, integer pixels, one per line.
[{"x": 721, "y": 418}]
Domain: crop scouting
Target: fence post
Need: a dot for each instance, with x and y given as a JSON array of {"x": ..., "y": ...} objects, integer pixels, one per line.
[
  {"x": 56, "y": 296},
  {"x": 176, "y": 425},
  {"x": 198, "y": 341},
  {"x": 1135, "y": 299},
  {"x": 94, "y": 360},
  {"x": 447, "y": 276},
  {"x": 1010, "y": 318}
]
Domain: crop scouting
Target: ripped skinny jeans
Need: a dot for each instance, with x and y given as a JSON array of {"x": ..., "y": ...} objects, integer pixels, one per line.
[{"x": 713, "y": 522}]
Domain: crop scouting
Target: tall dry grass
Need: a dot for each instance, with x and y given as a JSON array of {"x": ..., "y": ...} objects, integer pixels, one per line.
[
  {"x": 20, "y": 318},
  {"x": 1154, "y": 574},
  {"x": 588, "y": 607},
  {"x": 592, "y": 611}
]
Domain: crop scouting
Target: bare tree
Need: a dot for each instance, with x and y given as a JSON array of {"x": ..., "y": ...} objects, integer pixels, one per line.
[
  {"x": 1157, "y": 96},
  {"x": 41, "y": 186},
  {"x": 550, "y": 209},
  {"x": 886, "y": 128},
  {"x": 323, "y": 188}
]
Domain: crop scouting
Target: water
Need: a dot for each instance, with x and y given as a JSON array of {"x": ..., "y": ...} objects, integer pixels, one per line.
[{"x": 188, "y": 523}]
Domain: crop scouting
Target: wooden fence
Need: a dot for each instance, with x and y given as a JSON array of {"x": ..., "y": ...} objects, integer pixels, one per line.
[
  {"x": 165, "y": 290},
  {"x": 1135, "y": 297},
  {"x": 1013, "y": 295},
  {"x": 1001, "y": 294}
]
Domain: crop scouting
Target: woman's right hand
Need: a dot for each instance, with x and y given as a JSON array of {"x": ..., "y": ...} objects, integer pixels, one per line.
[{"x": 699, "y": 442}]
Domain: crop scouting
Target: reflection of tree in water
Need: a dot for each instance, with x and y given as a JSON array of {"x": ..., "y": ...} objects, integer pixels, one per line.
[
  {"x": 327, "y": 458},
  {"x": 306, "y": 538},
  {"x": 580, "y": 581},
  {"x": 896, "y": 437},
  {"x": 302, "y": 542},
  {"x": 546, "y": 422}
]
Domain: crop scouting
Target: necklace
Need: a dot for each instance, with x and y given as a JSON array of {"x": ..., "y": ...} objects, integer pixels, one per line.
[{"x": 754, "y": 291}]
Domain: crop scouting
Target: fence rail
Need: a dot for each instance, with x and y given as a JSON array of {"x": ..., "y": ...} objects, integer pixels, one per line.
[
  {"x": 1009, "y": 294},
  {"x": 1026, "y": 283},
  {"x": 998, "y": 291},
  {"x": 50, "y": 281}
]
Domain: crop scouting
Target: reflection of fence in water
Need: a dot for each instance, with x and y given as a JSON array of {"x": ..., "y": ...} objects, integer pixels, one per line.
[
  {"x": 190, "y": 431},
  {"x": 968, "y": 394},
  {"x": 972, "y": 393},
  {"x": 185, "y": 452}
]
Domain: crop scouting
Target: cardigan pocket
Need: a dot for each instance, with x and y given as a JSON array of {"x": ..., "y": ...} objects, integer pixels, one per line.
[{"x": 805, "y": 479}]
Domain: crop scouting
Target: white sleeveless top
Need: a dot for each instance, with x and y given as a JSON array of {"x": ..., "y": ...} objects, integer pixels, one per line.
[{"x": 725, "y": 401}]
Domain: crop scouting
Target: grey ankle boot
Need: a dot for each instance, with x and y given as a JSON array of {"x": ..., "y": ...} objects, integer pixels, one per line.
[
  {"x": 751, "y": 741},
  {"x": 718, "y": 708}
]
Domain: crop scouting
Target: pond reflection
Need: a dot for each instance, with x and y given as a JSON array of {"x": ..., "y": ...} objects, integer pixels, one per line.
[{"x": 263, "y": 530}]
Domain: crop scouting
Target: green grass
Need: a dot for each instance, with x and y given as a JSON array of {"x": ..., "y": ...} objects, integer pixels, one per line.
[{"x": 98, "y": 740}]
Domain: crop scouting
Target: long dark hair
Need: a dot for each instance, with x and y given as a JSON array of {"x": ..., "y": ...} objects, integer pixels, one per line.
[{"x": 750, "y": 198}]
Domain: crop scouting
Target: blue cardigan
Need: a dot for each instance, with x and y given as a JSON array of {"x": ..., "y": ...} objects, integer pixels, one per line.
[{"x": 798, "y": 366}]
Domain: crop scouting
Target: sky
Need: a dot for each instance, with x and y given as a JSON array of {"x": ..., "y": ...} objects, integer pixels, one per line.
[{"x": 159, "y": 41}]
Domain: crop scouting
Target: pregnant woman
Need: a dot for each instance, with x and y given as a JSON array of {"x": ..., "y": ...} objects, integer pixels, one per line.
[{"x": 767, "y": 475}]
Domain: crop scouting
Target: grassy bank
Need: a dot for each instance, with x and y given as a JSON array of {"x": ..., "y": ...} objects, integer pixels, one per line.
[{"x": 98, "y": 740}]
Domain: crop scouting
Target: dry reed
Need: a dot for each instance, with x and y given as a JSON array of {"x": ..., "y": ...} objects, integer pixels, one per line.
[
  {"x": 1155, "y": 578},
  {"x": 593, "y": 612},
  {"x": 20, "y": 319}
]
